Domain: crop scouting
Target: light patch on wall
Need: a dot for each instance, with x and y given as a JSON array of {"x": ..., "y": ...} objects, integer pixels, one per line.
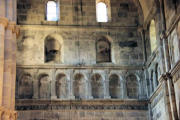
[
  {"x": 153, "y": 40},
  {"x": 52, "y": 12},
  {"x": 101, "y": 12}
]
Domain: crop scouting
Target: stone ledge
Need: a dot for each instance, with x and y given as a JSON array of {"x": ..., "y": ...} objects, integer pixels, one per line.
[
  {"x": 79, "y": 67},
  {"x": 81, "y": 105}
]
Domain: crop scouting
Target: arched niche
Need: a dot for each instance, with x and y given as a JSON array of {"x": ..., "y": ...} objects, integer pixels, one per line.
[
  {"x": 79, "y": 86},
  {"x": 132, "y": 86},
  {"x": 61, "y": 86},
  {"x": 44, "y": 86},
  {"x": 97, "y": 86},
  {"x": 114, "y": 86},
  {"x": 25, "y": 85},
  {"x": 52, "y": 50},
  {"x": 103, "y": 50}
]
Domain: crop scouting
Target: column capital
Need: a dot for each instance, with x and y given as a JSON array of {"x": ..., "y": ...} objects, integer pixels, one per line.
[
  {"x": 167, "y": 76},
  {"x": 163, "y": 35},
  {"x": 3, "y": 21},
  {"x": 140, "y": 28},
  {"x": 12, "y": 26}
]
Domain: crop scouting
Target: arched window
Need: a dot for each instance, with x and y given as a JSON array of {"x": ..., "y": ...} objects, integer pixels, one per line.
[
  {"x": 132, "y": 86},
  {"x": 97, "y": 86},
  {"x": 52, "y": 50},
  {"x": 101, "y": 12},
  {"x": 153, "y": 40},
  {"x": 103, "y": 50},
  {"x": 52, "y": 11},
  {"x": 114, "y": 86}
]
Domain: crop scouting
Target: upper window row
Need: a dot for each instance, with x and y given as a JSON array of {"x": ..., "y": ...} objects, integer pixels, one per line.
[{"x": 52, "y": 13}]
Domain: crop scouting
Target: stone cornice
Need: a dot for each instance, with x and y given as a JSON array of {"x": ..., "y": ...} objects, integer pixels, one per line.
[
  {"x": 51, "y": 66},
  {"x": 4, "y": 21}
]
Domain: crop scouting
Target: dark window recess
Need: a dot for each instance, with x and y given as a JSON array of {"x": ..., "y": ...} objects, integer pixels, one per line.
[
  {"x": 103, "y": 48},
  {"x": 128, "y": 44}
]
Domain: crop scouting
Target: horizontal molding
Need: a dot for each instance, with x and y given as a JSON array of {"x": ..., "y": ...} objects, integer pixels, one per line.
[
  {"x": 22, "y": 105},
  {"x": 54, "y": 66}
]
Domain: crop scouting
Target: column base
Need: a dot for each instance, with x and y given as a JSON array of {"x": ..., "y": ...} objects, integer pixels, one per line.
[
  {"x": 72, "y": 97},
  {"x": 53, "y": 97},
  {"x": 107, "y": 97}
]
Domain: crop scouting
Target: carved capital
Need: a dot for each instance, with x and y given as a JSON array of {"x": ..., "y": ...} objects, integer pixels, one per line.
[
  {"x": 17, "y": 30},
  {"x": 11, "y": 26},
  {"x": 6, "y": 115},
  {"x": 140, "y": 29},
  {"x": 13, "y": 115},
  {"x": 163, "y": 35},
  {"x": 14, "y": 28},
  {"x": 4, "y": 21},
  {"x": 167, "y": 76}
]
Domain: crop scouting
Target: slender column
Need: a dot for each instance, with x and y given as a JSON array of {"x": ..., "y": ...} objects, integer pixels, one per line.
[
  {"x": 3, "y": 24},
  {"x": 106, "y": 86},
  {"x": 36, "y": 86},
  {"x": 53, "y": 86},
  {"x": 8, "y": 67},
  {"x": 124, "y": 90},
  {"x": 171, "y": 97},
  {"x": 2, "y": 8},
  {"x": 71, "y": 86},
  {"x": 13, "y": 68}
]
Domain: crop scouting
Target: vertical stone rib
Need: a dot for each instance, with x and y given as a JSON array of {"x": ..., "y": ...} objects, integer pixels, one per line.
[
  {"x": 7, "y": 69},
  {"x": 2, "y": 8},
  {"x": 13, "y": 82}
]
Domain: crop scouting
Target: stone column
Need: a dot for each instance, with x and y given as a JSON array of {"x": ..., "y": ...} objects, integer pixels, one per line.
[
  {"x": 13, "y": 84},
  {"x": 53, "y": 85},
  {"x": 89, "y": 87},
  {"x": 124, "y": 90},
  {"x": 3, "y": 25},
  {"x": 8, "y": 60},
  {"x": 36, "y": 85},
  {"x": 71, "y": 94},
  {"x": 106, "y": 89},
  {"x": 2, "y": 8},
  {"x": 172, "y": 99}
]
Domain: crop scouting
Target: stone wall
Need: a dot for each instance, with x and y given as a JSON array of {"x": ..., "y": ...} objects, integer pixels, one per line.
[
  {"x": 80, "y": 110},
  {"x": 78, "y": 45},
  {"x": 47, "y": 83},
  {"x": 79, "y": 12}
]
